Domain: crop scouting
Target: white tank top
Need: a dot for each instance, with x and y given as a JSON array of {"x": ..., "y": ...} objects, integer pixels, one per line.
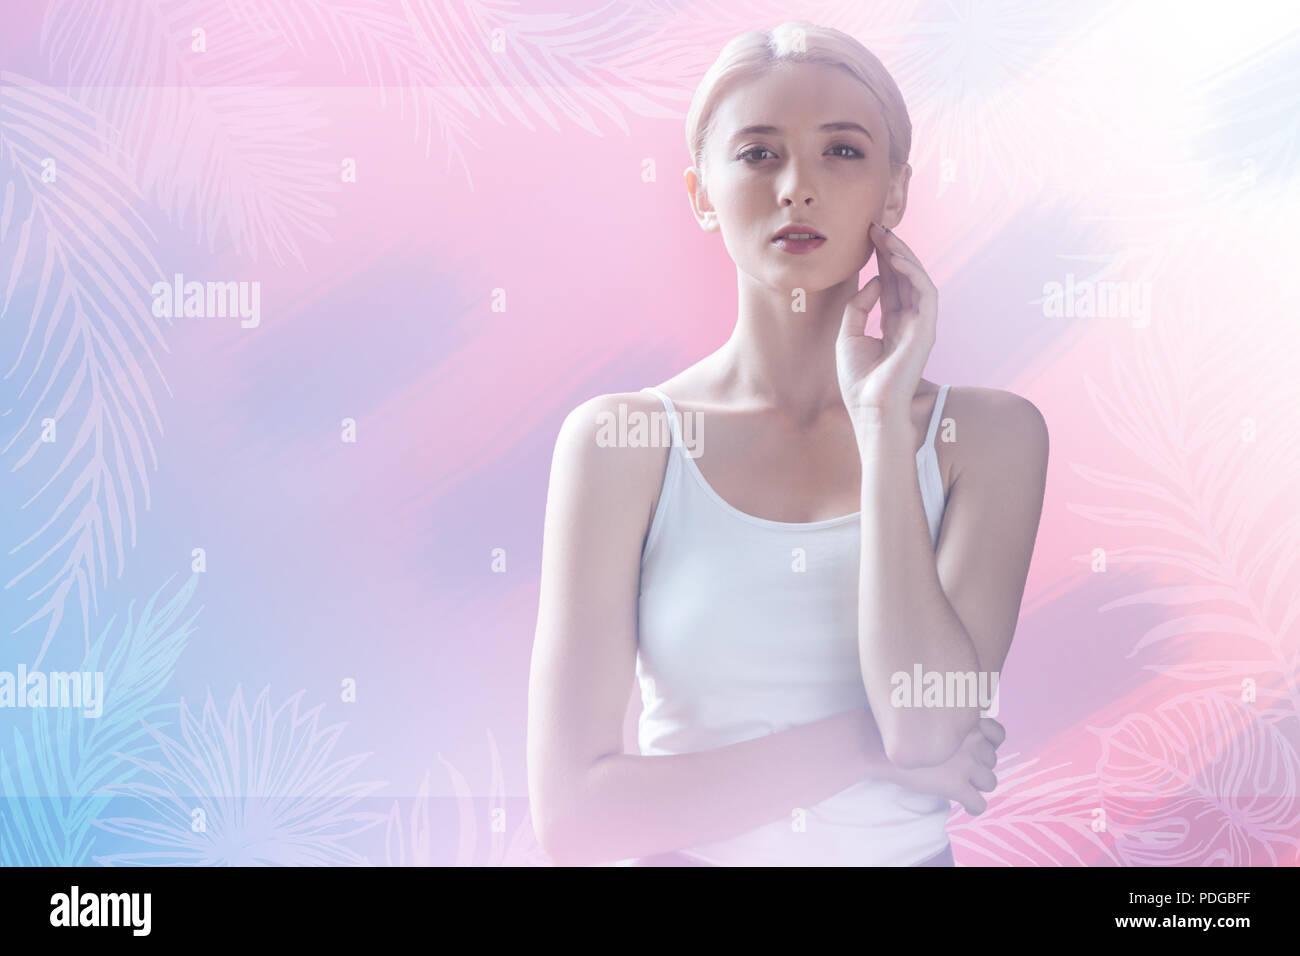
[{"x": 748, "y": 627}]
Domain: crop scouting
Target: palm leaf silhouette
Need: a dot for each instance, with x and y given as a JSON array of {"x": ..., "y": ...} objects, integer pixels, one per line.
[
  {"x": 211, "y": 134},
  {"x": 1205, "y": 778},
  {"x": 984, "y": 82},
  {"x": 381, "y": 37},
  {"x": 557, "y": 67},
  {"x": 85, "y": 252},
  {"x": 1207, "y": 501},
  {"x": 1034, "y": 818},
  {"x": 48, "y": 780}
]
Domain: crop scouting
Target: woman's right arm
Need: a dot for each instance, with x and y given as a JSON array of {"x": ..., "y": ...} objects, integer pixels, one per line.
[{"x": 590, "y": 801}]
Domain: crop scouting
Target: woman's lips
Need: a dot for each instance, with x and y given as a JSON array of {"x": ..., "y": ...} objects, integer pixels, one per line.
[{"x": 798, "y": 246}]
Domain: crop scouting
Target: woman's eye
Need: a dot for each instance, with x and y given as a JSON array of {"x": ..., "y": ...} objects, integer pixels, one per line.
[{"x": 750, "y": 157}]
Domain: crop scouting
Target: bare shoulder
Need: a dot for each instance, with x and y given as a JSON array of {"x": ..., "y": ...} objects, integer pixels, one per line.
[
  {"x": 602, "y": 423},
  {"x": 995, "y": 428},
  {"x": 605, "y": 466}
]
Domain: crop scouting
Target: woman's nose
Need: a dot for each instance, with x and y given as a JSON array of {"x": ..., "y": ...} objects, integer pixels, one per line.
[{"x": 796, "y": 188}]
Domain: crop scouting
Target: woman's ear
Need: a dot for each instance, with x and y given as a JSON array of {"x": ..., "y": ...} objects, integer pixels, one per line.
[
  {"x": 896, "y": 203},
  {"x": 704, "y": 212}
]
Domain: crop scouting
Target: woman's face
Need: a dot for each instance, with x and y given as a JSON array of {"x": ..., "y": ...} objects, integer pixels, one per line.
[{"x": 836, "y": 180}]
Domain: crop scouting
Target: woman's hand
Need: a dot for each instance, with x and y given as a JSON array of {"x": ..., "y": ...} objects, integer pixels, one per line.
[
  {"x": 880, "y": 375},
  {"x": 966, "y": 772}
]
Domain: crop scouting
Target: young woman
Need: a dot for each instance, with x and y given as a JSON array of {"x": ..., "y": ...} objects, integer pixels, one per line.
[{"x": 777, "y": 582}]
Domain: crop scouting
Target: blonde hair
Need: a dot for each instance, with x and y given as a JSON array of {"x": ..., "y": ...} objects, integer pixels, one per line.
[{"x": 797, "y": 41}]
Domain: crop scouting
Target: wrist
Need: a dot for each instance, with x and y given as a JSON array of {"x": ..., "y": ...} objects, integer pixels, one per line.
[
  {"x": 888, "y": 414},
  {"x": 883, "y": 433}
]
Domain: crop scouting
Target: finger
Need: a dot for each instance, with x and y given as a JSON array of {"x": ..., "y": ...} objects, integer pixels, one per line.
[
  {"x": 858, "y": 309},
  {"x": 982, "y": 779},
  {"x": 888, "y": 276},
  {"x": 897, "y": 247},
  {"x": 924, "y": 296},
  {"x": 889, "y": 245},
  {"x": 895, "y": 244},
  {"x": 985, "y": 753},
  {"x": 972, "y": 802},
  {"x": 993, "y": 730}
]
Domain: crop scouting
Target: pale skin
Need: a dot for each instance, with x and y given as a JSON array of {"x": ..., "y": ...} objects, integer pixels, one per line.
[{"x": 810, "y": 416}]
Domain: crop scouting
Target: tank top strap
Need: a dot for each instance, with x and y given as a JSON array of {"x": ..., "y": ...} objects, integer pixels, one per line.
[
  {"x": 674, "y": 473},
  {"x": 674, "y": 426},
  {"x": 935, "y": 416}
]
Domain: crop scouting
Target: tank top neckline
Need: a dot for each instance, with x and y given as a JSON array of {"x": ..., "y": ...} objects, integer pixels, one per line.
[{"x": 926, "y": 451}]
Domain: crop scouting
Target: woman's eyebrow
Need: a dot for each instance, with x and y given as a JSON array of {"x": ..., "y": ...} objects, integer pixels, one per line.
[{"x": 829, "y": 127}]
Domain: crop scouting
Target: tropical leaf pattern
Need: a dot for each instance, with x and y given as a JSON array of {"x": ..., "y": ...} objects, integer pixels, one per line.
[
  {"x": 214, "y": 135},
  {"x": 222, "y": 135},
  {"x": 458, "y": 62},
  {"x": 1206, "y": 500},
  {"x": 1208, "y": 777},
  {"x": 1034, "y": 817},
  {"x": 51, "y": 775},
  {"x": 412, "y": 841},
  {"x": 248, "y": 788},
  {"x": 1203, "y": 780},
  {"x": 76, "y": 238},
  {"x": 984, "y": 91}
]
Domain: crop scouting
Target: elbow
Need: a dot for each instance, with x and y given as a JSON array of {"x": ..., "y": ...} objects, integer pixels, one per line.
[
  {"x": 551, "y": 832},
  {"x": 552, "y": 843},
  {"x": 569, "y": 822},
  {"x": 567, "y": 845},
  {"x": 559, "y": 830},
  {"x": 543, "y": 829},
  {"x": 553, "y": 838}
]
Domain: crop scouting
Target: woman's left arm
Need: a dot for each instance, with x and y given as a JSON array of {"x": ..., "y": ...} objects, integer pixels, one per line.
[{"x": 949, "y": 610}]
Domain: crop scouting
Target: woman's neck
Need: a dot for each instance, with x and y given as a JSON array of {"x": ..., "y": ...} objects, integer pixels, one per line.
[{"x": 781, "y": 357}]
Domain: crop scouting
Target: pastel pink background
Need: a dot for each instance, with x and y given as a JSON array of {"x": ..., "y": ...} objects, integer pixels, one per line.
[{"x": 1148, "y": 143}]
